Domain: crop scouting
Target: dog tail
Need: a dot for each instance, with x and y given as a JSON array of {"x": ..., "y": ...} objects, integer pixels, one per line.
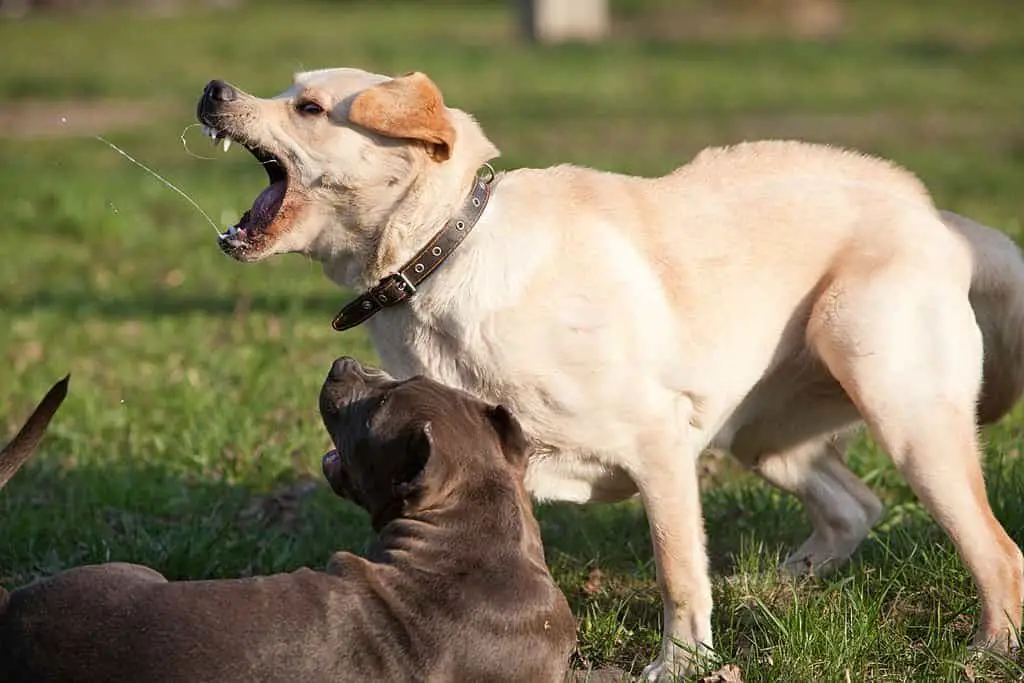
[
  {"x": 24, "y": 443},
  {"x": 997, "y": 297}
]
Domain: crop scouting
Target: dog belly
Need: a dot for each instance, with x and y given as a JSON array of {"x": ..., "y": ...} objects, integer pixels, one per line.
[
  {"x": 578, "y": 436},
  {"x": 798, "y": 400},
  {"x": 570, "y": 478}
]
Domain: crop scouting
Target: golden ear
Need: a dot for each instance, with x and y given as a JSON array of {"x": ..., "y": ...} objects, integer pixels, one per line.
[{"x": 409, "y": 106}]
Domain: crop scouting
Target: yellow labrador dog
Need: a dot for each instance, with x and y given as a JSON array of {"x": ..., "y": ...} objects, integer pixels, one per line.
[{"x": 763, "y": 298}]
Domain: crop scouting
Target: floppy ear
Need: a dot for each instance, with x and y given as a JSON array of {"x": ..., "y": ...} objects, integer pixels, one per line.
[
  {"x": 514, "y": 443},
  {"x": 410, "y": 107},
  {"x": 406, "y": 477}
]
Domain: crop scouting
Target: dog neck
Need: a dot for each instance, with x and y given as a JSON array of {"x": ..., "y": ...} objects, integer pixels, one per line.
[
  {"x": 399, "y": 220},
  {"x": 402, "y": 283},
  {"x": 492, "y": 507}
]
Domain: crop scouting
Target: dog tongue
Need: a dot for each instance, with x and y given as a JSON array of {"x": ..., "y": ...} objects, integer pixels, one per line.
[
  {"x": 267, "y": 204},
  {"x": 329, "y": 462}
]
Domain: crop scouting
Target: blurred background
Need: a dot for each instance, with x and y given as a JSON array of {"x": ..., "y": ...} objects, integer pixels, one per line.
[{"x": 191, "y": 440}]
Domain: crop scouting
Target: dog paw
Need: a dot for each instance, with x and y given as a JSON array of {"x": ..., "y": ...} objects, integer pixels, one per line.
[
  {"x": 675, "y": 664},
  {"x": 660, "y": 671},
  {"x": 816, "y": 559},
  {"x": 1004, "y": 641}
]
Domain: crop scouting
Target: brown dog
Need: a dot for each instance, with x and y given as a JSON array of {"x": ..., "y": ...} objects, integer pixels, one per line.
[{"x": 456, "y": 588}]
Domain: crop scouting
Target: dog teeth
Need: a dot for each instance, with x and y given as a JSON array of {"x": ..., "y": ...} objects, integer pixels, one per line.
[
  {"x": 217, "y": 137},
  {"x": 229, "y": 233}
]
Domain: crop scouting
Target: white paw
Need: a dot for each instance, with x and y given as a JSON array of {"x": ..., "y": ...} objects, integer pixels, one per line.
[
  {"x": 658, "y": 672},
  {"x": 673, "y": 664},
  {"x": 817, "y": 557}
]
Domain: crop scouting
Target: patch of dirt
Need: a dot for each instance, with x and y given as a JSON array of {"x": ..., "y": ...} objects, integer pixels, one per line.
[
  {"x": 730, "y": 673},
  {"x": 34, "y": 119},
  {"x": 592, "y": 586}
]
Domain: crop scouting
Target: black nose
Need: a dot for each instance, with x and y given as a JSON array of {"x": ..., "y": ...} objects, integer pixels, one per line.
[
  {"x": 342, "y": 367},
  {"x": 219, "y": 91}
]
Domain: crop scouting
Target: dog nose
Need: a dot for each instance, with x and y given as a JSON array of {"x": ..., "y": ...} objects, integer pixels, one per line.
[
  {"x": 342, "y": 367},
  {"x": 219, "y": 91}
]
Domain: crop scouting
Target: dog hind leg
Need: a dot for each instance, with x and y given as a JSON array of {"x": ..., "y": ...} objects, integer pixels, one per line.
[
  {"x": 841, "y": 508},
  {"x": 908, "y": 352}
]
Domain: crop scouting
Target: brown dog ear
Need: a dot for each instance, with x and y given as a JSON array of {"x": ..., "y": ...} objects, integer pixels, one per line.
[
  {"x": 514, "y": 443},
  {"x": 406, "y": 479},
  {"x": 409, "y": 107}
]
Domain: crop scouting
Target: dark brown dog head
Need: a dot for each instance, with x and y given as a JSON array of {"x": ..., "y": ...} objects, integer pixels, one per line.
[{"x": 405, "y": 445}]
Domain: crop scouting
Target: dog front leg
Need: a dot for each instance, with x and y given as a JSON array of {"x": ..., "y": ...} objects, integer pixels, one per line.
[{"x": 671, "y": 497}]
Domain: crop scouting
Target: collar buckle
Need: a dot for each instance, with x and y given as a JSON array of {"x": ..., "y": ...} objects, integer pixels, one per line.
[{"x": 402, "y": 284}]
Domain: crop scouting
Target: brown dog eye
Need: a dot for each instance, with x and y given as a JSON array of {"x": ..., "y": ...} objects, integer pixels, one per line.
[
  {"x": 310, "y": 108},
  {"x": 380, "y": 405}
]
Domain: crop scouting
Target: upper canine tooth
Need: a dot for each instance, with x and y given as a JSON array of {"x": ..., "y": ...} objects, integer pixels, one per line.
[{"x": 226, "y": 144}]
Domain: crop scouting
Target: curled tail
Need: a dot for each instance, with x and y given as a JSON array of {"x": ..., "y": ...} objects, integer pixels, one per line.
[
  {"x": 24, "y": 443},
  {"x": 997, "y": 297}
]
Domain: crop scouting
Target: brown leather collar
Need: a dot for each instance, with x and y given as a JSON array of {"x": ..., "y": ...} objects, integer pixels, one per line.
[{"x": 395, "y": 288}]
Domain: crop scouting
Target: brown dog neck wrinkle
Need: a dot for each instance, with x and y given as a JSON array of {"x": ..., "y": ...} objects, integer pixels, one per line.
[{"x": 489, "y": 509}]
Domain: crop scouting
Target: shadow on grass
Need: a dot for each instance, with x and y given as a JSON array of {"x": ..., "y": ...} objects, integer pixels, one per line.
[
  {"x": 55, "y": 514},
  {"x": 905, "y": 596},
  {"x": 54, "y": 517}
]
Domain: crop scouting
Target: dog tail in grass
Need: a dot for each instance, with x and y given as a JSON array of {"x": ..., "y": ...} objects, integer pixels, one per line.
[
  {"x": 24, "y": 443},
  {"x": 997, "y": 297}
]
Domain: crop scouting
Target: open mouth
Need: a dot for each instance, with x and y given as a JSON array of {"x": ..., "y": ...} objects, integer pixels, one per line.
[
  {"x": 334, "y": 474},
  {"x": 250, "y": 234},
  {"x": 331, "y": 462}
]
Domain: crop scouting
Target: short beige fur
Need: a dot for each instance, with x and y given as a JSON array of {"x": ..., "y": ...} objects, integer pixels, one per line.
[{"x": 764, "y": 298}]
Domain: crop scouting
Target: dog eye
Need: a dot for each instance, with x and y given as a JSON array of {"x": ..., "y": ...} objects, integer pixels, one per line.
[
  {"x": 373, "y": 415},
  {"x": 310, "y": 108}
]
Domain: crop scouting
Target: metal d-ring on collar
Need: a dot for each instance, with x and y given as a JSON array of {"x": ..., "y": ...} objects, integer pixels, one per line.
[{"x": 395, "y": 288}]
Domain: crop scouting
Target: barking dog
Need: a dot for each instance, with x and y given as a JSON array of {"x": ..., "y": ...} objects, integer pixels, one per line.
[
  {"x": 764, "y": 298},
  {"x": 455, "y": 589}
]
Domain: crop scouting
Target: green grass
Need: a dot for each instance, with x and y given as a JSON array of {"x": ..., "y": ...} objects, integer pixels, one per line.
[{"x": 190, "y": 440}]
